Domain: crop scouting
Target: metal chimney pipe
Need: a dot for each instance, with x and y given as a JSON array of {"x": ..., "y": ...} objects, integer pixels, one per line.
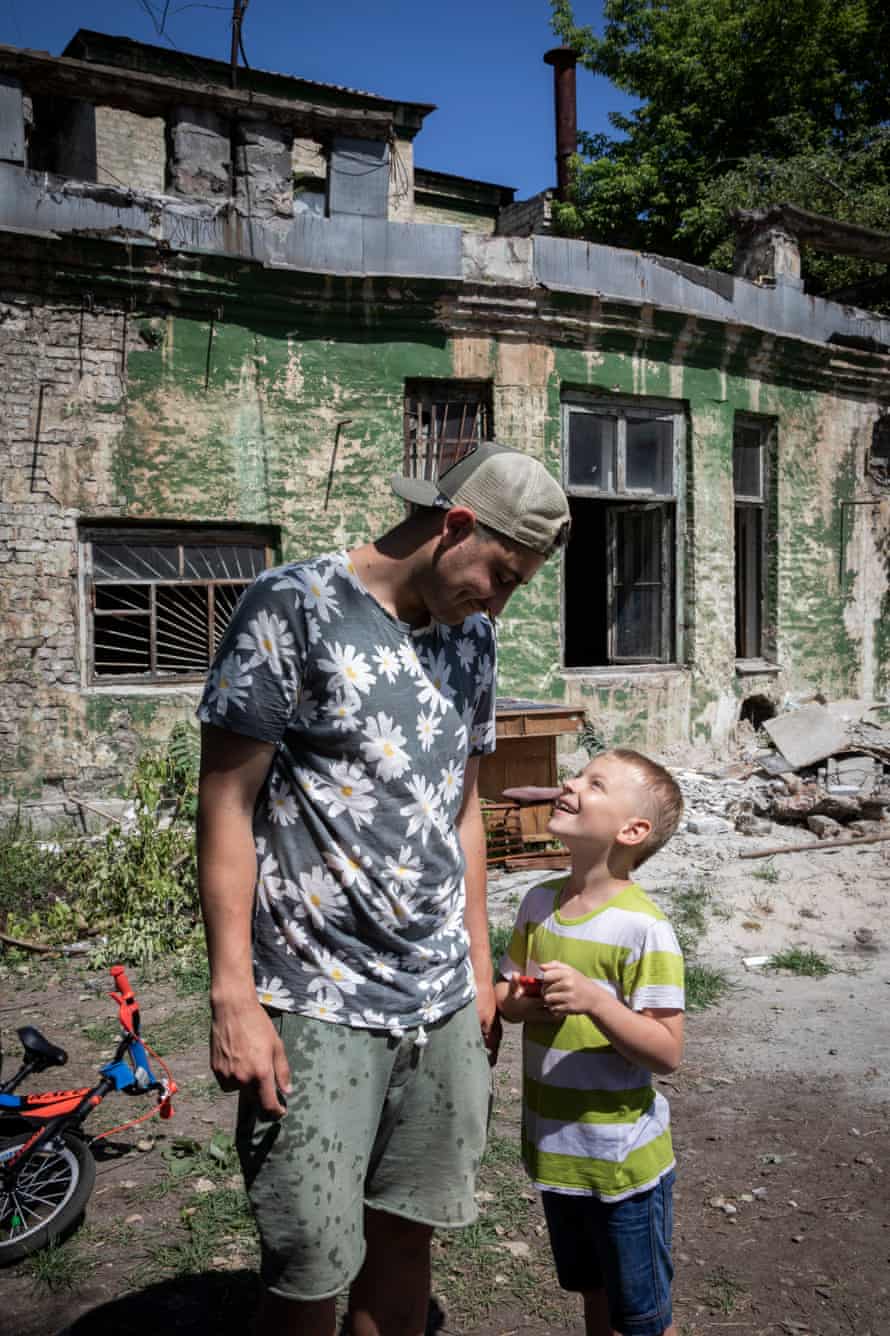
[{"x": 564, "y": 59}]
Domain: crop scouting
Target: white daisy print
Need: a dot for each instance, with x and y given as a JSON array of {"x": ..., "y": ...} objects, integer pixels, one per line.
[
  {"x": 387, "y": 662},
  {"x": 375, "y": 1019},
  {"x": 423, "y": 813},
  {"x": 349, "y": 791},
  {"x": 381, "y": 968},
  {"x": 269, "y": 640},
  {"x": 228, "y": 684},
  {"x": 313, "y": 629},
  {"x": 451, "y": 783},
  {"x": 434, "y": 688},
  {"x": 320, "y": 895},
  {"x": 318, "y": 594},
  {"x": 410, "y": 660},
  {"x": 348, "y": 669},
  {"x": 311, "y": 784},
  {"x": 431, "y": 1010},
  {"x": 342, "y": 712},
  {"x": 346, "y": 867},
  {"x": 407, "y": 871},
  {"x": 324, "y": 1000},
  {"x": 478, "y": 625},
  {"x": 466, "y": 652},
  {"x": 294, "y": 936},
  {"x": 345, "y": 568},
  {"x": 282, "y": 806},
  {"x": 427, "y": 729},
  {"x": 269, "y": 885},
  {"x": 337, "y": 971},
  {"x": 385, "y": 747},
  {"x": 481, "y": 735},
  {"x": 272, "y": 993},
  {"x": 484, "y": 672}
]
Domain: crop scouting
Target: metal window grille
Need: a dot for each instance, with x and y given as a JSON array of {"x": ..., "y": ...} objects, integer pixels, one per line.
[
  {"x": 443, "y": 421},
  {"x": 159, "y": 606},
  {"x": 879, "y": 453}
]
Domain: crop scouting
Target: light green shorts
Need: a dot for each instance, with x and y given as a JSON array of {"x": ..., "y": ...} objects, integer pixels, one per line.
[{"x": 372, "y": 1121}]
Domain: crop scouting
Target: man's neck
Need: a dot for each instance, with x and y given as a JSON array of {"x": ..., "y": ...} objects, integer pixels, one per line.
[{"x": 388, "y": 572}]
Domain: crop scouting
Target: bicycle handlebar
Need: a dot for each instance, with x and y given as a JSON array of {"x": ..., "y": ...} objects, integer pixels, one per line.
[{"x": 127, "y": 1006}]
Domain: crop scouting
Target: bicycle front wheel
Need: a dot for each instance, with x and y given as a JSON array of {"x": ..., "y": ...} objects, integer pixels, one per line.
[{"x": 48, "y": 1196}]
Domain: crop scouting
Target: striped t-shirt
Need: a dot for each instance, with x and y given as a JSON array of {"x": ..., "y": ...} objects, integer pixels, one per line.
[{"x": 592, "y": 1121}]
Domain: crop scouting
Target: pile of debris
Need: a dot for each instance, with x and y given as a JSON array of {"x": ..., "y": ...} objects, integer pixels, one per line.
[{"x": 828, "y": 770}]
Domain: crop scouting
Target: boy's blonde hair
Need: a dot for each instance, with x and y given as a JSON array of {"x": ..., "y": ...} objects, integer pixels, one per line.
[{"x": 662, "y": 800}]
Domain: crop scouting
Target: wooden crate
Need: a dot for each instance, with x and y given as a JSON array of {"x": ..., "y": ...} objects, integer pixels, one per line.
[{"x": 526, "y": 733}]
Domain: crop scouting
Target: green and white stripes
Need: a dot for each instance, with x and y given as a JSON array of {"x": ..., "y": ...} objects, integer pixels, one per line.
[{"x": 592, "y": 1121}]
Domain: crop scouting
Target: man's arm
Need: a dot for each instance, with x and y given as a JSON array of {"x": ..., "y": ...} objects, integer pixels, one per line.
[
  {"x": 245, "y": 1049},
  {"x": 471, "y": 833}
]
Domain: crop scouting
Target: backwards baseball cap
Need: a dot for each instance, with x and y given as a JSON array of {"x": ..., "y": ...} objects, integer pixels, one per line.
[{"x": 507, "y": 490}]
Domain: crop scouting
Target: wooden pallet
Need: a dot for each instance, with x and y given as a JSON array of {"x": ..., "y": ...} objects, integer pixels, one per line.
[{"x": 507, "y": 847}]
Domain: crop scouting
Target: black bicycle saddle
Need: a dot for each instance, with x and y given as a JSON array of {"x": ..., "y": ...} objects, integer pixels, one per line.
[{"x": 37, "y": 1046}]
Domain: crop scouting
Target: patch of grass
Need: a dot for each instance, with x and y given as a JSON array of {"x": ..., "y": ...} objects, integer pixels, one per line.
[
  {"x": 689, "y": 911},
  {"x": 801, "y": 960},
  {"x": 192, "y": 976},
  {"x": 179, "y": 1031},
  {"x": 59, "y": 1266},
  {"x": 473, "y": 1269},
  {"x": 705, "y": 987},
  {"x": 215, "y": 1223},
  {"x": 722, "y": 1292},
  {"x": 768, "y": 872},
  {"x": 499, "y": 935}
]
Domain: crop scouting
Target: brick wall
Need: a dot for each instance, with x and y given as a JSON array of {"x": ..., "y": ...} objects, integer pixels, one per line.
[{"x": 130, "y": 150}]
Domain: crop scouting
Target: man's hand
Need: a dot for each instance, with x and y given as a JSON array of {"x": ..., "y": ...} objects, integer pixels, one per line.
[
  {"x": 489, "y": 1020},
  {"x": 568, "y": 992},
  {"x": 246, "y": 1051}
]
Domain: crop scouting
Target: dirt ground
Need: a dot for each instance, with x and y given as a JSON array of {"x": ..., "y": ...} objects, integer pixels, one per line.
[{"x": 781, "y": 1117}]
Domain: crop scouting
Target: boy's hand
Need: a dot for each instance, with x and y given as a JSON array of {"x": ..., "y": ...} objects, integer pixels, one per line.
[{"x": 568, "y": 992}]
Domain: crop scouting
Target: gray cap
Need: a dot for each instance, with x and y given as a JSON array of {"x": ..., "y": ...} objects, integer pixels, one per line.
[{"x": 508, "y": 491}]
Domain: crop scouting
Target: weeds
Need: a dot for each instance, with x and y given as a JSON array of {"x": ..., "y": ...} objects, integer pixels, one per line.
[
  {"x": 218, "y": 1220},
  {"x": 768, "y": 872},
  {"x": 722, "y": 1292},
  {"x": 499, "y": 935},
  {"x": 136, "y": 888},
  {"x": 704, "y": 986},
  {"x": 57, "y": 1267},
  {"x": 800, "y": 960}
]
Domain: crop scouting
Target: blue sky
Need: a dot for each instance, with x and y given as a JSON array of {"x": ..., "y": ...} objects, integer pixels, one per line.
[{"x": 478, "y": 60}]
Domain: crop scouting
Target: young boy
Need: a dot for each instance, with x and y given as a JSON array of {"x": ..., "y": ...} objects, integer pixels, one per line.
[{"x": 595, "y": 973}]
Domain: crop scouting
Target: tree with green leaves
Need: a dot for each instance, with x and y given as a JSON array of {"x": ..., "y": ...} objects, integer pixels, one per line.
[{"x": 743, "y": 103}]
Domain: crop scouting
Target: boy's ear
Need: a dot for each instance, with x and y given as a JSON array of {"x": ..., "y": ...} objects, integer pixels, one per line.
[{"x": 634, "y": 831}]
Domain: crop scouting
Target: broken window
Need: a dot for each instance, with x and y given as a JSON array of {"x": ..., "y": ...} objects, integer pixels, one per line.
[
  {"x": 622, "y": 464},
  {"x": 443, "y": 420},
  {"x": 160, "y": 602},
  {"x": 879, "y": 454},
  {"x": 750, "y": 478}
]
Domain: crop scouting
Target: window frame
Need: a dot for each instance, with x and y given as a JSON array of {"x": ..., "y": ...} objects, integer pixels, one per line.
[
  {"x": 761, "y": 507},
  {"x": 420, "y": 394},
  {"x": 147, "y": 535},
  {"x": 621, "y": 497}
]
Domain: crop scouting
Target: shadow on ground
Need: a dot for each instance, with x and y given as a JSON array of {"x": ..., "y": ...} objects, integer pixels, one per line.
[
  {"x": 222, "y": 1302},
  {"x": 219, "y": 1301}
]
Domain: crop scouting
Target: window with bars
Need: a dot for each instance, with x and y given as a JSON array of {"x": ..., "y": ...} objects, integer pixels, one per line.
[
  {"x": 443, "y": 420},
  {"x": 158, "y": 603},
  {"x": 878, "y": 463},
  {"x": 622, "y": 464},
  {"x": 751, "y": 440}
]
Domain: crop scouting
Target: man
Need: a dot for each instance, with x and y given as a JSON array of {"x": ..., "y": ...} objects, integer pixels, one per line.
[{"x": 342, "y": 876}]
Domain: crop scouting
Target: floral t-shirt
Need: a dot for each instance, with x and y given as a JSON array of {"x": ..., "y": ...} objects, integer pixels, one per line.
[{"x": 359, "y": 907}]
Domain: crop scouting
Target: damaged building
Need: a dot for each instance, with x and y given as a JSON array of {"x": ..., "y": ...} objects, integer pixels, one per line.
[{"x": 228, "y": 314}]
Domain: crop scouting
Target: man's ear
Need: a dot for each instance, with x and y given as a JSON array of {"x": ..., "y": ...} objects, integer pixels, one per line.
[
  {"x": 634, "y": 831},
  {"x": 460, "y": 521}
]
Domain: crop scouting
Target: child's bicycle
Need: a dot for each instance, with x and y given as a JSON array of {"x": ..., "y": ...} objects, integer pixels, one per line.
[{"x": 47, "y": 1170}]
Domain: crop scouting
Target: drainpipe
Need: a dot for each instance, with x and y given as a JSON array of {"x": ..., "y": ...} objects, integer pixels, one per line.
[{"x": 563, "y": 59}]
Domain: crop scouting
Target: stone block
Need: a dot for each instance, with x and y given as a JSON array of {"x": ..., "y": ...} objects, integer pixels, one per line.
[
  {"x": 201, "y": 160},
  {"x": 708, "y": 825}
]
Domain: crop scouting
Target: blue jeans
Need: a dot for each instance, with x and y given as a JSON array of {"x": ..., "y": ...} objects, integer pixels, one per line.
[{"x": 622, "y": 1247}]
